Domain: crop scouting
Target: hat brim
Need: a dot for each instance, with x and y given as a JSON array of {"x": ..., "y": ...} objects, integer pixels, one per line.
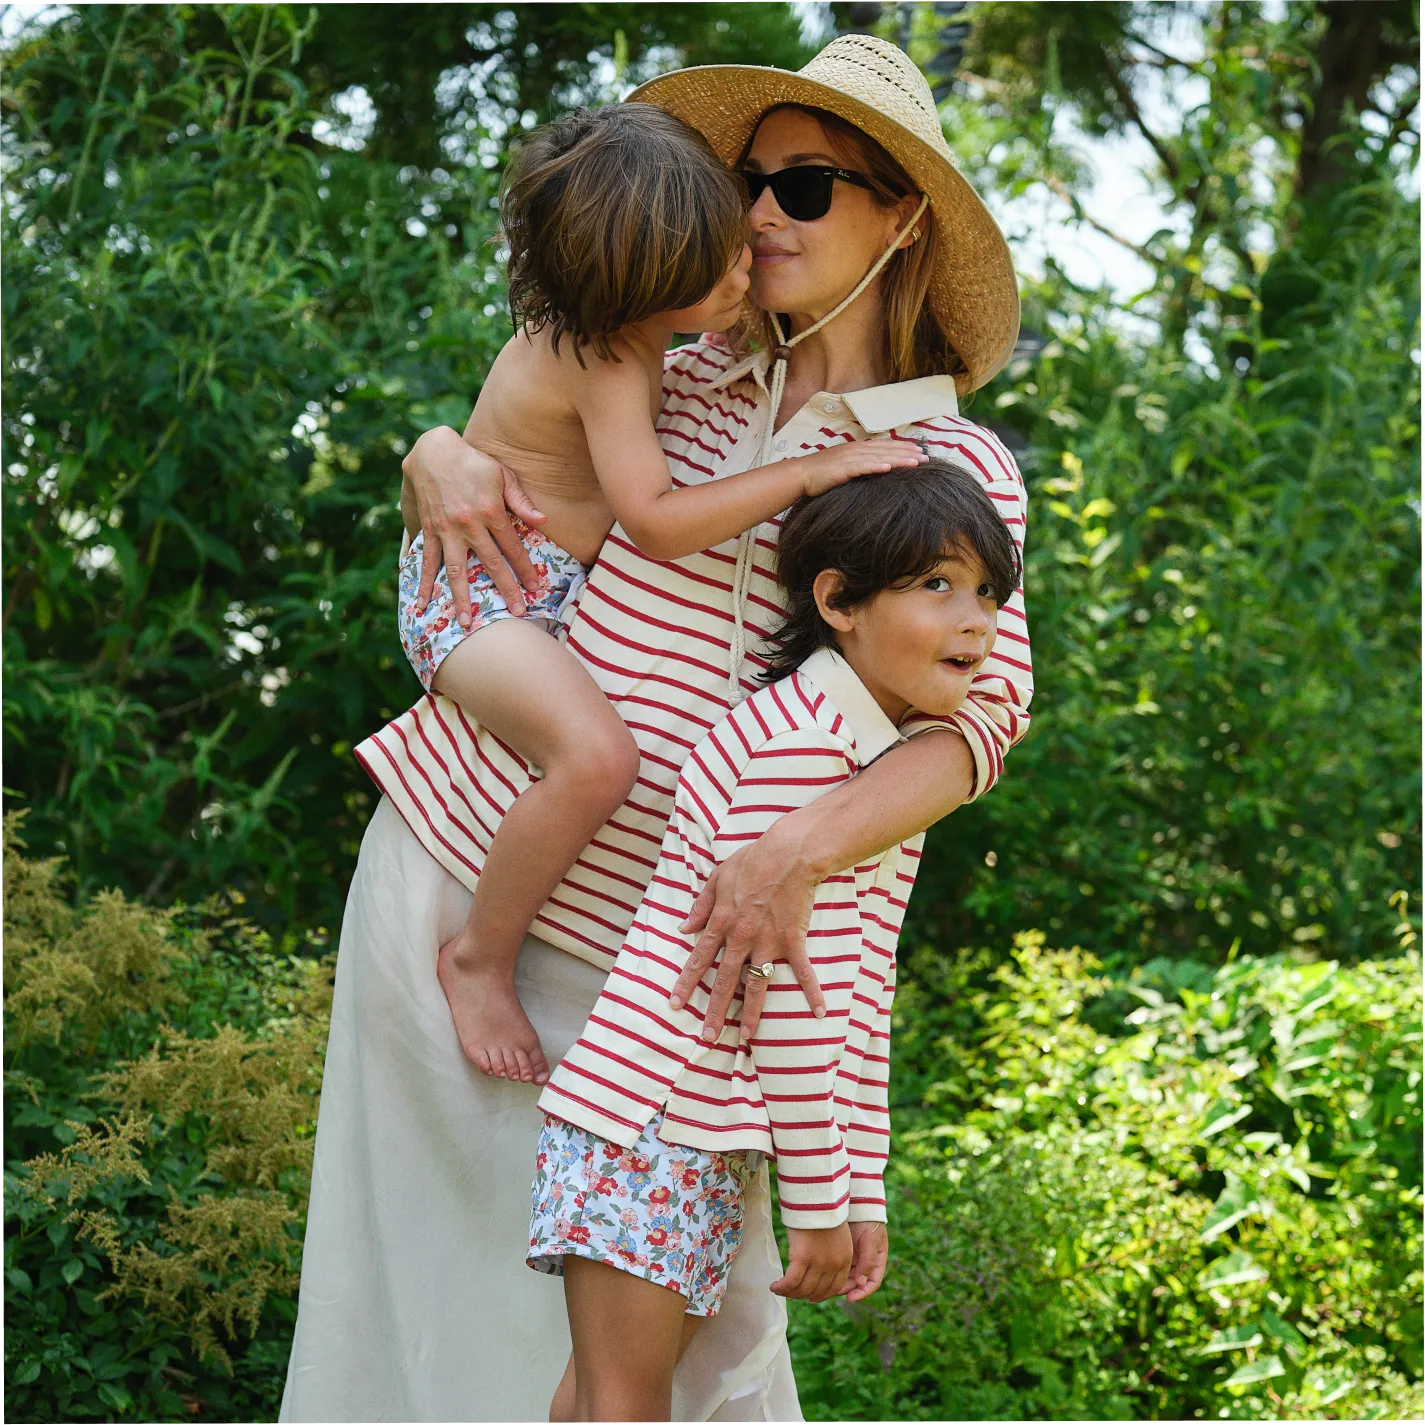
[{"x": 974, "y": 294}]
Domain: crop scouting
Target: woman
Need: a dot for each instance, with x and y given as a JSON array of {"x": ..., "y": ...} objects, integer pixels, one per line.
[{"x": 415, "y": 1301}]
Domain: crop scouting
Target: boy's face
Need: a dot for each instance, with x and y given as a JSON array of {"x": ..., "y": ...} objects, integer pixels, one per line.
[
  {"x": 721, "y": 308},
  {"x": 919, "y": 646}
]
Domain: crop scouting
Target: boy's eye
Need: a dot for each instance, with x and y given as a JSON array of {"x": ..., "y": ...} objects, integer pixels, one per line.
[
  {"x": 985, "y": 592},
  {"x": 938, "y": 584}
]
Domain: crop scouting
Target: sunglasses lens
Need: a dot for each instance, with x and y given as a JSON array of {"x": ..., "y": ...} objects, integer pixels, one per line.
[{"x": 803, "y": 194}]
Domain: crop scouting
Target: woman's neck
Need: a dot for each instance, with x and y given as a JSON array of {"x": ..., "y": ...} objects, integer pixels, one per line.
[{"x": 847, "y": 354}]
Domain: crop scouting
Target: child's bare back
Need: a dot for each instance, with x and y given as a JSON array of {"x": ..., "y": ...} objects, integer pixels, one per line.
[{"x": 527, "y": 417}]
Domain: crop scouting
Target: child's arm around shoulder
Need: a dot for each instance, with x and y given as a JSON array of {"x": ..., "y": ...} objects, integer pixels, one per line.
[{"x": 612, "y": 399}]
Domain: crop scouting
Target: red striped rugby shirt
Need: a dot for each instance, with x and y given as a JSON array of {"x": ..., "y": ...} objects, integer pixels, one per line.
[
  {"x": 810, "y": 1091},
  {"x": 655, "y": 636}
]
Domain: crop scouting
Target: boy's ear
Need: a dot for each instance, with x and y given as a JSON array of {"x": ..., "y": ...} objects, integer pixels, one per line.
[{"x": 825, "y": 587}]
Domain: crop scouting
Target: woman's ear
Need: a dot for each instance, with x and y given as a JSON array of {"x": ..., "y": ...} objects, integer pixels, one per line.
[
  {"x": 904, "y": 211},
  {"x": 825, "y": 587}
]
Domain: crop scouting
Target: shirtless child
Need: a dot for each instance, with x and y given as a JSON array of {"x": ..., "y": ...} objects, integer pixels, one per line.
[{"x": 623, "y": 229}]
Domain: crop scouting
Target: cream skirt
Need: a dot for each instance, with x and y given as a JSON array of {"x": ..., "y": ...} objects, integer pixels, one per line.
[{"x": 416, "y": 1303}]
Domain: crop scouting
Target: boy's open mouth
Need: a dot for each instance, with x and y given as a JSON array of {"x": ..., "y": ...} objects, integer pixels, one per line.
[{"x": 963, "y": 662}]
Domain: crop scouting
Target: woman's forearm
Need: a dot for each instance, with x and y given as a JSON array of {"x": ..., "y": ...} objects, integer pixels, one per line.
[{"x": 903, "y": 792}]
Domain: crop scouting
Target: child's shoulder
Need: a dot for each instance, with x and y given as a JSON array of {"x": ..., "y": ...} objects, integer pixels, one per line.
[{"x": 786, "y": 716}]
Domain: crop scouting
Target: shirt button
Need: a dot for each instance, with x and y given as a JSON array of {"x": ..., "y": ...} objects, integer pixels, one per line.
[
  {"x": 830, "y": 405},
  {"x": 781, "y": 445}
]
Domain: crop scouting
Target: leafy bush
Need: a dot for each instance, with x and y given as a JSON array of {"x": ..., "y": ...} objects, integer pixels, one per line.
[
  {"x": 1204, "y": 1206},
  {"x": 161, "y": 1079}
]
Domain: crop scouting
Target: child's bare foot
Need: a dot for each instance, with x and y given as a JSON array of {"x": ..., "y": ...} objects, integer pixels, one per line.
[{"x": 494, "y": 1030}]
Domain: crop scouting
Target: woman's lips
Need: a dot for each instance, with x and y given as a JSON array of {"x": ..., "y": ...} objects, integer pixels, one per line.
[{"x": 771, "y": 257}]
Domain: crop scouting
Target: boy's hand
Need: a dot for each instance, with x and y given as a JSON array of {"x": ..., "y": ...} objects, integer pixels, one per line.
[
  {"x": 871, "y": 1245},
  {"x": 818, "y": 1262},
  {"x": 828, "y": 468}
]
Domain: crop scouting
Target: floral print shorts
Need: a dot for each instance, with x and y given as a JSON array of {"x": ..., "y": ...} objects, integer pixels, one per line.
[
  {"x": 429, "y": 637},
  {"x": 670, "y": 1215}
]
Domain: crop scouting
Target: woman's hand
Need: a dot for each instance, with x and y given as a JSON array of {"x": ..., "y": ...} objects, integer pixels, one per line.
[
  {"x": 464, "y": 499},
  {"x": 818, "y": 1260},
  {"x": 837, "y": 464},
  {"x": 871, "y": 1246},
  {"x": 755, "y": 906}
]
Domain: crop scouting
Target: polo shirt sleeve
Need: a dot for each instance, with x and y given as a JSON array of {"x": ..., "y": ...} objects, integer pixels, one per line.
[
  {"x": 796, "y": 1056},
  {"x": 868, "y": 1131},
  {"x": 995, "y": 713}
]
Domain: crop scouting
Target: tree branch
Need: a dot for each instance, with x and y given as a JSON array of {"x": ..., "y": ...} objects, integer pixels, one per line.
[
  {"x": 1195, "y": 66},
  {"x": 1125, "y": 97},
  {"x": 1057, "y": 185}
]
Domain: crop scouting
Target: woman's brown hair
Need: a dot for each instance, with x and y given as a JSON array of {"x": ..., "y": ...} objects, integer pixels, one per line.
[
  {"x": 914, "y": 343},
  {"x": 613, "y": 215},
  {"x": 882, "y": 532}
]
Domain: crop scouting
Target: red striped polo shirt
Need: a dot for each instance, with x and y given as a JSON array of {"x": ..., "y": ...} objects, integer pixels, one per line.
[
  {"x": 812, "y": 1092},
  {"x": 655, "y": 636}
]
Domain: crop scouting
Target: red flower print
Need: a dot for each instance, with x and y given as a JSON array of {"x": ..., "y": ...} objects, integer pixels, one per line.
[
  {"x": 579, "y": 1234},
  {"x": 656, "y": 1236},
  {"x": 630, "y": 1257},
  {"x": 660, "y": 1195},
  {"x": 690, "y": 1177},
  {"x": 605, "y": 1186}
]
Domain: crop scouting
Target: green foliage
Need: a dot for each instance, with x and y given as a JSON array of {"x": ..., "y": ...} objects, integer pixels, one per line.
[
  {"x": 161, "y": 1080},
  {"x": 1224, "y": 606},
  {"x": 1204, "y": 1206}
]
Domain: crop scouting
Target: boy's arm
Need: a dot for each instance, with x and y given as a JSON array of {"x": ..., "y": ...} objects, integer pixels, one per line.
[
  {"x": 667, "y": 523},
  {"x": 795, "y": 1053},
  {"x": 868, "y": 1133}
]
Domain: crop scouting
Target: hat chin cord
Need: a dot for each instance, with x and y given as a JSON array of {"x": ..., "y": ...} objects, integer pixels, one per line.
[{"x": 776, "y": 386}]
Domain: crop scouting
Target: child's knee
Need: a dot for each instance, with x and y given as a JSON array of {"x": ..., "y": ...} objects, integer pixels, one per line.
[
  {"x": 613, "y": 760},
  {"x": 602, "y": 765}
]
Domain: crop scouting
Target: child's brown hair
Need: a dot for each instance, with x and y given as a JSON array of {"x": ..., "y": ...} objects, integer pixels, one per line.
[
  {"x": 613, "y": 215},
  {"x": 882, "y": 532}
]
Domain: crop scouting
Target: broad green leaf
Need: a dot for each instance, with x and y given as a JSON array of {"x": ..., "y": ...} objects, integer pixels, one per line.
[
  {"x": 1265, "y": 1369},
  {"x": 1234, "y": 1338},
  {"x": 1235, "y": 1269}
]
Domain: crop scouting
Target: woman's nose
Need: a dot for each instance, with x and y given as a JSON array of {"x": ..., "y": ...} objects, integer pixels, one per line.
[{"x": 765, "y": 213}]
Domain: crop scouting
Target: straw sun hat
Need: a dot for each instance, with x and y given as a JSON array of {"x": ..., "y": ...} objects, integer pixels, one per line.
[{"x": 874, "y": 85}]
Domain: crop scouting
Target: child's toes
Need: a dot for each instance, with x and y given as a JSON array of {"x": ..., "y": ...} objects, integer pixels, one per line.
[
  {"x": 512, "y": 1066},
  {"x": 526, "y": 1069}
]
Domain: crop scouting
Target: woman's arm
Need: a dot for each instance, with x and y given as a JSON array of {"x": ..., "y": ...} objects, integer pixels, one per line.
[
  {"x": 462, "y": 500},
  {"x": 756, "y": 904},
  {"x": 670, "y": 523}
]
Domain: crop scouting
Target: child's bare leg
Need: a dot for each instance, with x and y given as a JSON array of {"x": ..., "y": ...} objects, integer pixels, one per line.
[
  {"x": 562, "y": 1407},
  {"x": 533, "y": 694},
  {"x": 629, "y": 1334}
]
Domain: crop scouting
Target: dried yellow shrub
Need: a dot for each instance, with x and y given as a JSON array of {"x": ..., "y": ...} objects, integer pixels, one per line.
[{"x": 74, "y": 972}]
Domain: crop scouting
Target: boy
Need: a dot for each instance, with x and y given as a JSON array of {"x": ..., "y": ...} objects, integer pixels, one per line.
[{"x": 653, "y": 1131}]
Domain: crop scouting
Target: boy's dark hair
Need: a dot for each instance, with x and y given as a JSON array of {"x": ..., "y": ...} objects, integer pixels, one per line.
[
  {"x": 613, "y": 215},
  {"x": 882, "y": 532}
]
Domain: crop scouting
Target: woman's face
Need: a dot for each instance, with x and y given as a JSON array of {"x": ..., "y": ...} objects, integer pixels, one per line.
[{"x": 806, "y": 268}]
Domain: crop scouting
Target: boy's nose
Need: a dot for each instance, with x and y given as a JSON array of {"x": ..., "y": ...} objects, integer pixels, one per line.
[{"x": 972, "y": 617}]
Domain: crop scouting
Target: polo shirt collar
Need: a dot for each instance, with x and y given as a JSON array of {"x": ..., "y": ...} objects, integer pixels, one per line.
[
  {"x": 872, "y": 730},
  {"x": 877, "y": 408}
]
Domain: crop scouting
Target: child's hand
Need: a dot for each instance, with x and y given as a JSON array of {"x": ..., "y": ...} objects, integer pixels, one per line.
[
  {"x": 818, "y": 1261},
  {"x": 871, "y": 1246},
  {"x": 826, "y": 469}
]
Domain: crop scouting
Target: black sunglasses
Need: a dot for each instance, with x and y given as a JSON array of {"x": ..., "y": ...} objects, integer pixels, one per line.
[{"x": 802, "y": 193}]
